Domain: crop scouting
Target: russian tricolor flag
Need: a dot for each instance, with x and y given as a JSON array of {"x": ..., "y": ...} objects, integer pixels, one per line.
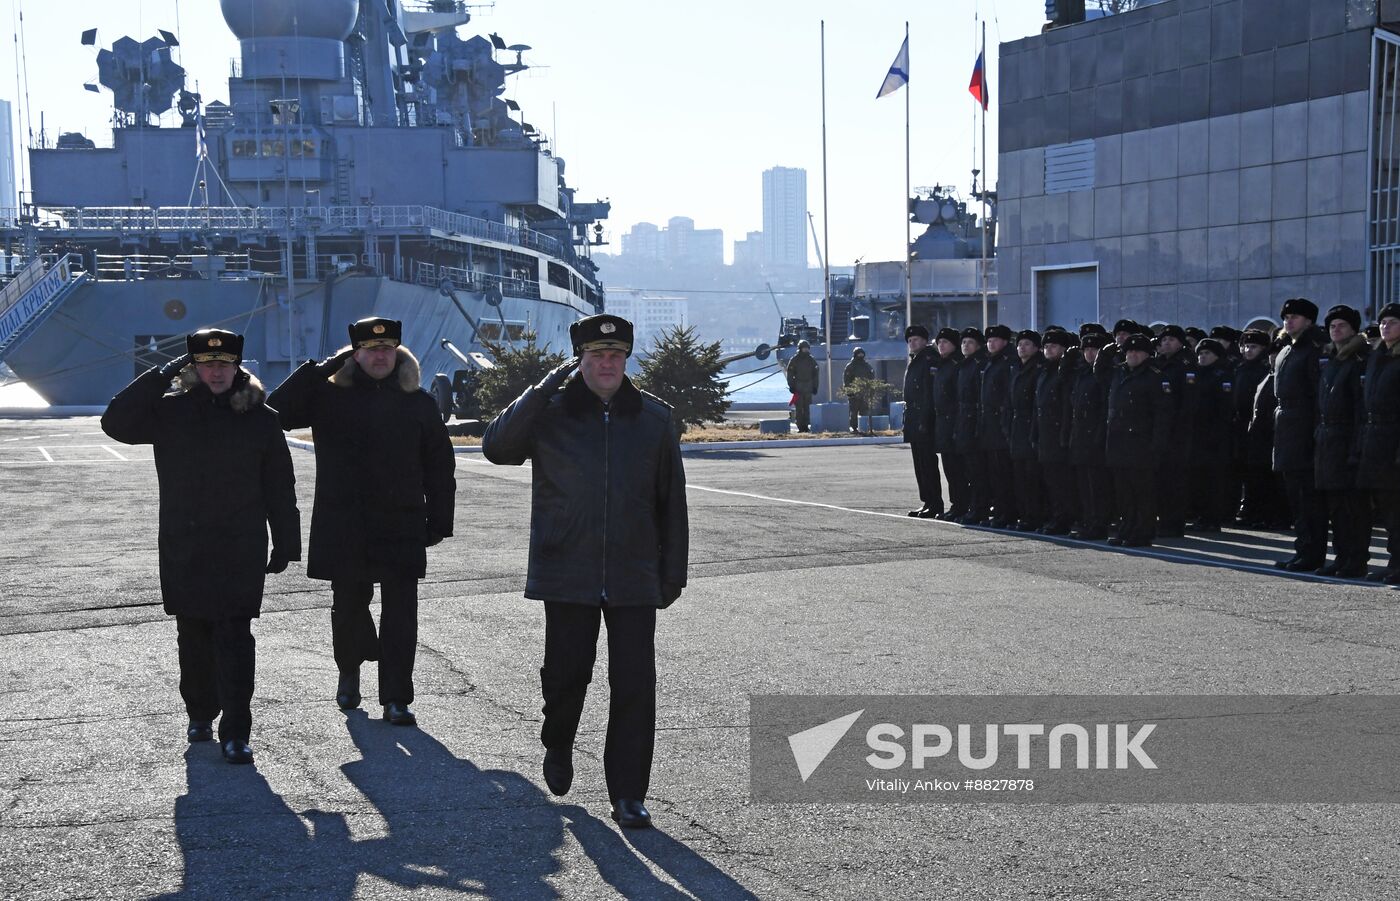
[{"x": 978, "y": 86}]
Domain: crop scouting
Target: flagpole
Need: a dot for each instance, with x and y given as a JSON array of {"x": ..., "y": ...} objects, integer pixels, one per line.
[
  {"x": 826, "y": 232},
  {"x": 908, "y": 253},
  {"x": 984, "y": 175}
]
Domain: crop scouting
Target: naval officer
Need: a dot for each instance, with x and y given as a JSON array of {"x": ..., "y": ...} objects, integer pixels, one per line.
[
  {"x": 608, "y": 543},
  {"x": 384, "y": 494},
  {"x": 225, "y": 478}
]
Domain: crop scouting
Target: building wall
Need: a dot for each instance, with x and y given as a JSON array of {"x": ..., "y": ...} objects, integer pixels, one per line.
[
  {"x": 785, "y": 216},
  {"x": 1230, "y": 158},
  {"x": 649, "y": 315}
]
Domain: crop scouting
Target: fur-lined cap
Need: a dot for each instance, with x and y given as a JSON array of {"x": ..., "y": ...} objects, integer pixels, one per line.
[
  {"x": 408, "y": 372},
  {"x": 242, "y": 397}
]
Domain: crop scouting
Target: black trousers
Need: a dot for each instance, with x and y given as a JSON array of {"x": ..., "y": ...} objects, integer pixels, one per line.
[
  {"x": 1209, "y": 487},
  {"x": 1350, "y": 515},
  {"x": 926, "y": 474},
  {"x": 804, "y": 412},
  {"x": 1136, "y": 493},
  {"x": 1001, "y": 484},
  {"x": 1029, "y": 485},
  {"x": 857, "y": 408},
  {"x": 979, "y": 492},
  {"x": 959, "y": 491},
  {"x": 1172, "y": 495},
  {"x": 1309, "y": 516},
  {"x": 217, "y": 660},
  {"x": 354, "y": 640},
  {"x": 570, "y": 648},
  {"x": 1095, "y": 500},
  {"x": 1062, "y": 498}
]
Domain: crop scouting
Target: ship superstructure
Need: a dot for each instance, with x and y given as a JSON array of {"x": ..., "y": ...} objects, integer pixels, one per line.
[{"x": 365, "y": 162}]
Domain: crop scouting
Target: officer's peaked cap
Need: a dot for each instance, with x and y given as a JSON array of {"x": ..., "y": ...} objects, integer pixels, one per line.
[
  {"x": 604, "y": 332},
  {"x": 210, "y": 345},
  {"x": 376, "y": 331}
]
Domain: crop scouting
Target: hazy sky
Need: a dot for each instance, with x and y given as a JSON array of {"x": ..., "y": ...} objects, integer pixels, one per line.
[{"x": 667, "y": 109}]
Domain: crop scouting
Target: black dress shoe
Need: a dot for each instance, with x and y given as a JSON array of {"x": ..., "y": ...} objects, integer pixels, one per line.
[
  {"x": 1393, "y": 577},
  {"x": 1351, "y": 571},
  {"x": 200, "y": 730},
  {"x": 1328, "y": 569},
  {"x": 997, "y": 522},
  {"x": 1304, "y": 566},
  {"x": 1116, "y": 542},
  {"x": 347, "y": 690},
  {"x": 631, "y": 814},
  {"x": 1138, "y": 542},
  {"x": 1285, "y": 564},
  {"x": 399, "y": 715},
  {"x": 919, "y": 513},
  {"x": 236, "y": 751},
  {"x": 559, "y": 770},
  {"x": 1379, "y": 576}
]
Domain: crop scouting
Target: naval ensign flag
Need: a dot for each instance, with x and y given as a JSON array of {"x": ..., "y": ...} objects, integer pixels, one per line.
[{"x": 898, "y": 75}]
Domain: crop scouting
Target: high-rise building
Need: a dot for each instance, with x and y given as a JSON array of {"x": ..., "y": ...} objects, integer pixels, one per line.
[
  {"x": 706, "y": 247},
  {"x": 679, "y": 231},
  {"x": 9, "y": 198},
  {"x": 643, "y": 240},
  {"x": 748, "y": 251},
  {"x": 785, "y": 216}
]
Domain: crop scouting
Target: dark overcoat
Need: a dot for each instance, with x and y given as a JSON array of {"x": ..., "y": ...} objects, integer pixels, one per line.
[
  {"x": 945, "y": 402},
  {"x": 1380, "y": 439},
  {"x": 1296, "y": 375},
  {"x": 1140, "y": 417},
  {"x": 1089, "y": 411},
  {"x": 1341, "y": 414},
  {"x": 384, "y": 469},
  {"x": 993, "y": 418},
  {"x": 225, "y": 478},
  {"x": 968, "y": 379},
  {"x": 608, "y": 514},
  {"x": 1053, "y": 395},
  {"x": 1212, "y": 417},
  {"x": 918, "y": 396},
  {"x": 1020, "y": 412},
  {"x": 1259, "y": 446},
  {"x": 1244, "y": 385}
]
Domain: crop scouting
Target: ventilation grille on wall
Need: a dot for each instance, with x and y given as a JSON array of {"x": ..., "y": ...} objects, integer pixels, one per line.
[{"x": 1069, "y": 167}]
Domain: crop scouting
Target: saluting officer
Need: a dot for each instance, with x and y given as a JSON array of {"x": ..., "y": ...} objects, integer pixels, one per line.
[
  {"x": 1053, "y": 398},
  {"x": 857, "y": 368},
  {"x": 1088, "y": 423},
  {"x": 1140, "y": 415},
  {"x": 802, "y": 378},
  {"x": 945, "y": 417},
  {"x": 225, "y": 478},
  {"x": 608, "y": 542},
  {"x": 1025, "y": 465},
  {"x": 993, "y": 422},
  {"x": 1341, "y": 411},
  {"x": 1296, "y": 375},
  {"x": 1209, "y": 468},
  {"x": 384, "y": 494},
  {"x": 919, "y": 421},
  {"x": 965, "y": 433},
  {"x": 1380, "y": 439}
]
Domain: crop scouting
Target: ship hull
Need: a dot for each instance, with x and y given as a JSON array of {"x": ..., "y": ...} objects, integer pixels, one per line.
[{"x": 106, "y": 333}]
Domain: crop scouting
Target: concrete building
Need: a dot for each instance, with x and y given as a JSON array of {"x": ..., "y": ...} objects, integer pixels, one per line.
[
  {"x": 649, "y": 314},
  {"x": 642, "y": 240},
  {"x": 748, "y": 251},
  {"x": 1199, "y": 161},
  {"x": 785, "y": 217}
]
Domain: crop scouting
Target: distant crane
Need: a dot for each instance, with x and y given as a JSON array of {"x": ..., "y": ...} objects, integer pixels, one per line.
[{"x": 812, "y": 222}]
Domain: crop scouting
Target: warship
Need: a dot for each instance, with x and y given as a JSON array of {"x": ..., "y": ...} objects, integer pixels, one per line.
[{"x": 365, "y": 162}]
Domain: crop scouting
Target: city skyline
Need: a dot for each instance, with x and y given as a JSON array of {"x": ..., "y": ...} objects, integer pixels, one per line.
[{"x": 691, "y": 133}]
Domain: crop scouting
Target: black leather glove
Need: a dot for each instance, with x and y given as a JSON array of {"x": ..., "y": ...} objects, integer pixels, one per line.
[
  {"x": 277, "y": 562},
  {"x": 551, "y": 382},
  {"x": 331, "y": 365},
  {"x": 172, "y": 368},
  {"x": 669, "y": 594}
]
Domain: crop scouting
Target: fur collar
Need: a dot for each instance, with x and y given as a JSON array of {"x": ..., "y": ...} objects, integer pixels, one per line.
[
  {"x": 1351, "y": 347},
  {"x": 579, "y": 401},
  {"x": 407, "y": 371},
  {"x": 247, "y": 392}
]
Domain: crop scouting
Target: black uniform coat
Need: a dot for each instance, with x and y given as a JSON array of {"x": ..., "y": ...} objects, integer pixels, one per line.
[
  {"x": 1089, "y": 411},
  {"x": 608, "y": 513},
  {"x": 225, "y": 477},
  {"x": 1380, "y": 439},
  {"x": 1213, "y": 415},
  {"x": 1296, "y": 375},
  {"x": 945, "y": 402},
  {"x": 1140, "y": 417},
  {"x": 993, "y": 419},
  {"x": 968, "y": 380},
  {"x": 1259, "y": 450},
  {"x": 1021, "y": 409},
  {"x": 1341, "y": 414},
  {"x": 384, "y": 469},
  {"x": 1053, "y": 396},
  {"x": 1244, "y": 385},
  {"x": 1178, "y": 375},
  {"x": 918, "y": 395}
]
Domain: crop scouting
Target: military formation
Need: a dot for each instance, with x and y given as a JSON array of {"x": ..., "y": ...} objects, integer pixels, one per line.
[
  {"x": 1135, "y": 435},
  {"x": 608, "y": 537}
]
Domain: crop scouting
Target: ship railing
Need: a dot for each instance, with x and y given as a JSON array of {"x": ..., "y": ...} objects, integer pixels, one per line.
[
  {"x": 309, "y": 218},
  {"x": 432, "y": 276}
]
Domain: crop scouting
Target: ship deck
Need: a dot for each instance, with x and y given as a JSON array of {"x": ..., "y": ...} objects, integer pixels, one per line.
[{"x": 806, "y": 577}]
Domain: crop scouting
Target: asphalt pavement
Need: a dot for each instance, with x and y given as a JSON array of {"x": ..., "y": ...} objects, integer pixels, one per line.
[{"x": 806, "y": 578}]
